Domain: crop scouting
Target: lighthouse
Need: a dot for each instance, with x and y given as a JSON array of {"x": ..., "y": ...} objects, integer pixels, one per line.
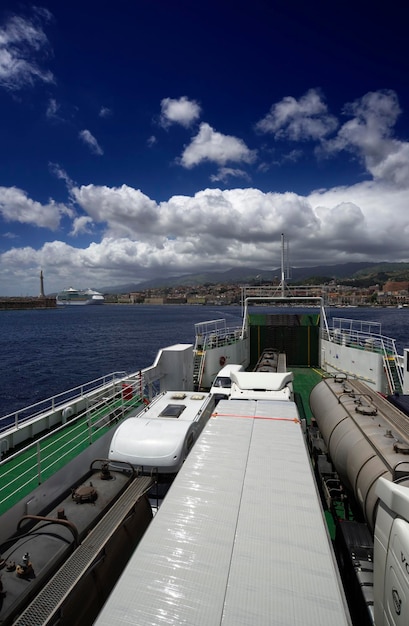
[{"x": 42, "y": 295}]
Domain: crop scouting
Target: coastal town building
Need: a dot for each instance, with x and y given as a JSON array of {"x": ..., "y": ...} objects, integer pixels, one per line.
[{"x": 393, "y": 293}]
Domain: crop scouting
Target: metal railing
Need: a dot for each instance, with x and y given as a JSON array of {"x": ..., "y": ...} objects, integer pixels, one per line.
[
  {"x": 367, "y": 336},
  {"x": 24, "y": 470},
  {"x": 49, "y": 405},
  {"x": 215, "y": 334}
]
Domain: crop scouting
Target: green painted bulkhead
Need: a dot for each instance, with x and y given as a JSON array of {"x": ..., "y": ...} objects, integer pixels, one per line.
[{"x": 296, "y": 334}]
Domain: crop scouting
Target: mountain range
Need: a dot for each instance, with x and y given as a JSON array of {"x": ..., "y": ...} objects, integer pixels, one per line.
[{"x": 353, "y": 271}]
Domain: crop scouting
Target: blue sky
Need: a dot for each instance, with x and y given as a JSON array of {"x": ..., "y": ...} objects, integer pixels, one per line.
[{"x": 155, "y": 138}]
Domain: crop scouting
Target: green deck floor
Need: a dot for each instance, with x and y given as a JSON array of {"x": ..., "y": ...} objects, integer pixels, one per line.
[
  {"x": 305, "y": 379},
  {"x": 27, "y": 469}
]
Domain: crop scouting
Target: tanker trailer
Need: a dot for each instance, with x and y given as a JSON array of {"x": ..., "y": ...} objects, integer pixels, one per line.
[
  {"x": 367, "y": 443},
  {"x": 366, "y": 438}
]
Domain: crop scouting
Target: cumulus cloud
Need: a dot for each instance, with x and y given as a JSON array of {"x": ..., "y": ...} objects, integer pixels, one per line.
[
  {"x": 355, "y": 222},
  {"x": 23, "y": 47},
  {"x": 143, "y": 239},
  {"x": 242, "y": 214},
  {"x": 179, "y": 111},
  {"x": 125, "y": 211},
  {"x": 91, "y": 142},
  {"x": 16, "y": 206},
  {"x": 209, "y": 145},
  {"x": 135, "y": 237},
  {"x": 305, "y": 119},
  {"x": 243, "y": 226},
  {"x": 369, "y": 134}
]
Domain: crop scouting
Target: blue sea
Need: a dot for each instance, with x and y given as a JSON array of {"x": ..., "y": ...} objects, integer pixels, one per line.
[{"x": 45, "y": 352}]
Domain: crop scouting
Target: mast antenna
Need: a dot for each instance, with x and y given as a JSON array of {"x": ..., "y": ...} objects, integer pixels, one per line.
[{"x": 285, "y": 272}]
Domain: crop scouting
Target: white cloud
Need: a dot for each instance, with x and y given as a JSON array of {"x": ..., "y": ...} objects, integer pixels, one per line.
[
  {"x": 369, "y": 134},
  {"x": 292, "y": 156},
  {"x": 60, "y": 173},
  {"x": 125, "y": 211},
  {"x": 243, "y": 226},
  {"x": 209, "y": 145},
  {"x": 182, "y": 111},
  {"x": 81, "y": 225},
  {"x": 105, "y": 112},
  {"x": 299, "y": 120},
  {"x": 91, "y": 142},
  {"x": 52, "y": 109},
  {"x": 225, "y": 173},
  {"x": 211, "y": 230},
  {"x": 234, "y": 214},
  {"x": 9, "y": 235},
  {"x": 135, "y": 237},
  {"x": 23, "y": 43},
  {"x": 15, "y": 206},
  {"x": 394, "y": 166},
  {"x": 355, "y": 222}
]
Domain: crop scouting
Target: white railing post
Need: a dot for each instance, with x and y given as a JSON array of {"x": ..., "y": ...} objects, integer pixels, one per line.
[{"x": 39, "y": 463}]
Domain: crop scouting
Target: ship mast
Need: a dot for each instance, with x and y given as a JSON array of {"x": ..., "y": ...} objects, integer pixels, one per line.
[
  {"x": 285, "y": 272},
  {"x": 282, "y": 283}
]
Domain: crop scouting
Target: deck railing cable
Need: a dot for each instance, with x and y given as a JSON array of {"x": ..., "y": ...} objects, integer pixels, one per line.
[
  {"x": 16, "y": 418},
  {"x": 30, "y": 466}
]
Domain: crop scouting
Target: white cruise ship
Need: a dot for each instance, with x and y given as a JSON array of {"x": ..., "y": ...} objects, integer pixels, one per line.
[{"x": 79, "y": 297}]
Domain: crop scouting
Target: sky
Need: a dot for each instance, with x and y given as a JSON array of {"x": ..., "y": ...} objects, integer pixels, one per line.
[{"x": 143, "y": 139}]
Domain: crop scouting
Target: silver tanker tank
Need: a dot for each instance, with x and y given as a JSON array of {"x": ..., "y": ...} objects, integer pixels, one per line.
[{"x": 365, "y": 435}]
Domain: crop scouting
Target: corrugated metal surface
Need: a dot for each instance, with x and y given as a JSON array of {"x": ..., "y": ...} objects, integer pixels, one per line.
[{"x": 240, "y": 538}]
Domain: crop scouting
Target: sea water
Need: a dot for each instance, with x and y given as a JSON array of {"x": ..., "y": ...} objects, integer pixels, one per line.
[{"x": 45, "y": 352}]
